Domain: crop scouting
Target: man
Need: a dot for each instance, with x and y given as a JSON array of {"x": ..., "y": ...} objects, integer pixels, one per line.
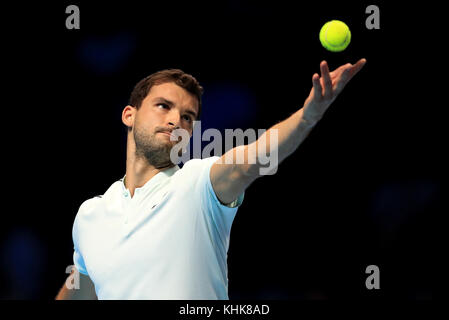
[{"x": 162, "y": 232}]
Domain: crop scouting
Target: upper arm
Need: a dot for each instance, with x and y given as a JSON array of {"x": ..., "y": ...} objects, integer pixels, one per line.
[
  {"x": 86, "y": 290},
  {"x": 230, "y": 179}
]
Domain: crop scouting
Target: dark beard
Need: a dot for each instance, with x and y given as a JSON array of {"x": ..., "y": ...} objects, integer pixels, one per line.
[{"x": 156, "y": 152}]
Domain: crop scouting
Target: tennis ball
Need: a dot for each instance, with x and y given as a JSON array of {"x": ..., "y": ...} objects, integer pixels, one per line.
[{"x": 335, "y": 36}]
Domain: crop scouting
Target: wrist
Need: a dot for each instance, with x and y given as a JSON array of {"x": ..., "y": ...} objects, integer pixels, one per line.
[{"x": 308, "y": 119}]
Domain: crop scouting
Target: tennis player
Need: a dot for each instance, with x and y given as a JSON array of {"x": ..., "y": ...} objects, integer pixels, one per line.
[{"x": 162, "y": 232}]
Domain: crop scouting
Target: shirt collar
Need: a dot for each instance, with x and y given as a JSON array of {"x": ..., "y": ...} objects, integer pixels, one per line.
[{"x": 167, "y": 173}]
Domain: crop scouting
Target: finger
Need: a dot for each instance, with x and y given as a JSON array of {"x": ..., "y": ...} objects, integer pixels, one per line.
[
  {"x": 356, "y": 68},
  {"x": 317, "y": 89},
  {"x": 327, "y": 82},
  {"x": 337, "y": 74},
  {"x": 340, "y": 69},
  {"x": 344, "y": 78}
]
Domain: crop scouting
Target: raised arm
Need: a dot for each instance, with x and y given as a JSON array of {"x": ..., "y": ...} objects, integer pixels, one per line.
[{"x": 229, "y": 180}]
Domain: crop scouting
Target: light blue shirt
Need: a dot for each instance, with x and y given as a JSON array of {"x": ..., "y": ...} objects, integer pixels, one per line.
[{"x": 169, "y": 241}]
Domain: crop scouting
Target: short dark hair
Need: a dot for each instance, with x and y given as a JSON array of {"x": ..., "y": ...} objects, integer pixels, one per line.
[{"x": 179, "y": 77}]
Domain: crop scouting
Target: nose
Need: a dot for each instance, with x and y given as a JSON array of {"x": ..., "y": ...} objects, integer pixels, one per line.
[{"x": 174, "y": 119}]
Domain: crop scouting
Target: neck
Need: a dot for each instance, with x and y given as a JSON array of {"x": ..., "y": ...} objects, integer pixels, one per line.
[{"x": 138, "y": 170}]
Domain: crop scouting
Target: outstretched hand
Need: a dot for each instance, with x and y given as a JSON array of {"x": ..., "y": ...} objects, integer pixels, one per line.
[{"x": 327, "y": 87}]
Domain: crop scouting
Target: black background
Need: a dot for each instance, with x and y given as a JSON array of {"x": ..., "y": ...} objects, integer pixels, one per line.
[{"x": 364, "y": 188}]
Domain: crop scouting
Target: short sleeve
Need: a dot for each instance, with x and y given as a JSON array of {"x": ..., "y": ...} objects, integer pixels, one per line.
[
  {"x": 77, "y": 256},
  {"x": 208, "y": 165},
  {"x": 222, "y": 215}
]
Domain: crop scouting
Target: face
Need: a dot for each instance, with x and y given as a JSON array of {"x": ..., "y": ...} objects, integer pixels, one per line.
[{"x": 167, "y": 107}]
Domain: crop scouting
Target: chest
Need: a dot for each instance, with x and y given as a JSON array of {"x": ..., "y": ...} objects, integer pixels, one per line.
[{"x": 150, "y": 230}]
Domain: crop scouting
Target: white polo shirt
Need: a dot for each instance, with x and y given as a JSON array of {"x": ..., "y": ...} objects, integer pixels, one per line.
[{"x": 169, "y": 241}]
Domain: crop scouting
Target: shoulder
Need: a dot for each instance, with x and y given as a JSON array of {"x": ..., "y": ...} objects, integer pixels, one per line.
[
  {"x": 194, "y": 174},
  {"x": 195, "y": 165},
  {"x": 195, "y": 171},
  {"x": 92, "y": 205}
]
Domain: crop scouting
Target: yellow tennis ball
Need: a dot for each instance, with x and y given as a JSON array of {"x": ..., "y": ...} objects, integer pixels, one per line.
[{"x": 335, "y": 35}]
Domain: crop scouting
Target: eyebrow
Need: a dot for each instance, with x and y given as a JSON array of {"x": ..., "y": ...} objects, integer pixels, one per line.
[{"x": 171, "y": 103}]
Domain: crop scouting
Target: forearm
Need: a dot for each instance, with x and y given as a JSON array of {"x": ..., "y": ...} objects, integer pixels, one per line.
[
  {"x": 291, "y": 132},
  {"x": 75, "y": 294},
  {"x": 85, "y": 290},
  {"x": 66, "y": 294},
  {"x": 283, "y": 138}
]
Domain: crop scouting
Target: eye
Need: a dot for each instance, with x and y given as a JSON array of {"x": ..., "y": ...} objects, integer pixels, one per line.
[
  {"x": 164, "y": 106},
  {"x": 187, "y": 118}
]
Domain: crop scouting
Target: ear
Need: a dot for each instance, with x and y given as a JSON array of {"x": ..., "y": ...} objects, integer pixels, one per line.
[{"x": 128, "y": 115}]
